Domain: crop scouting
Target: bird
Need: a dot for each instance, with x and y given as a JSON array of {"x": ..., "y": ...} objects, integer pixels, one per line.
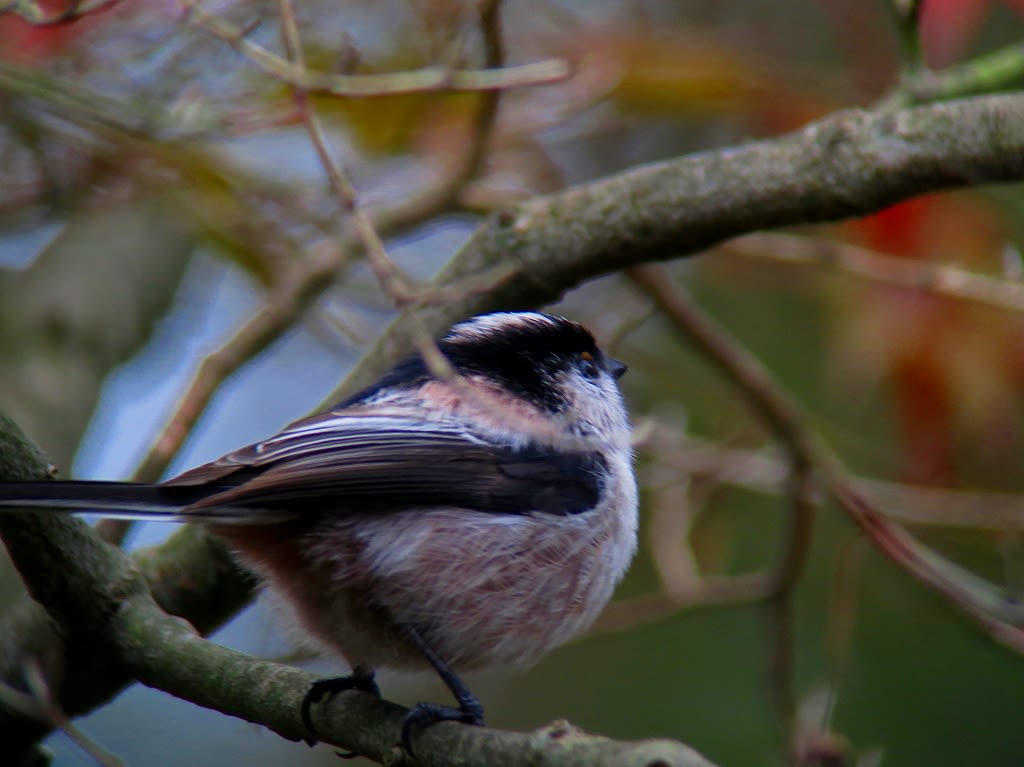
[{"x": 429, "y": 521}]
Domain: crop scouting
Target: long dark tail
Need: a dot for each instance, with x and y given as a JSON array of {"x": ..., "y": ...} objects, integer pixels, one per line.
[{"x": 122, "y": 500}]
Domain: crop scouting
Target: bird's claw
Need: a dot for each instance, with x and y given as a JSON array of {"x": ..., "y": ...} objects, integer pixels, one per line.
[
  {"x": 424, "y": 714},
  {"x": 359, "y": 679}
]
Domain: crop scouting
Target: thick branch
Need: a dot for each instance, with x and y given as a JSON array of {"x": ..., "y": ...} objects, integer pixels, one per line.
[
  {"x": 64, "y": 329},
  {"x": 192, "y": 575},
  {"x": 102, "y": 603},
  {"x": 849, "y": 164}
]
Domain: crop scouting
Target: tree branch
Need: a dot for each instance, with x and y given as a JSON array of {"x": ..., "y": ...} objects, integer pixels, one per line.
[
  {"x": 103, "y": 605},
  {"x": 849, "y": 164},
  {"x": 426, "y": 80},
  {"x": 192, "y": 575},
  {"x": 996, "y": 612},
  {"x": 939, "y": 279},
  {"x": 64, "y": 331}
]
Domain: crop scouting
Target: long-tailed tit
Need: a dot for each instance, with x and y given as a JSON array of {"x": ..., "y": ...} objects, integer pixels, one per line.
[{"x": 453, "y": 523}]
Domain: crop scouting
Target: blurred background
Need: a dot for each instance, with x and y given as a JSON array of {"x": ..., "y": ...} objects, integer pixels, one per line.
[{"x": 158, "y": 187}]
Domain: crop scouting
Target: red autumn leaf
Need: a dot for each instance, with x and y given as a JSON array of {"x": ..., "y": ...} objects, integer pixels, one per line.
[{"x": 951, "y": 364}]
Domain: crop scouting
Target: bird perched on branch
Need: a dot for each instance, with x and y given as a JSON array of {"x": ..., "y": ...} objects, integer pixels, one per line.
[{"x": 428, "y": 521}]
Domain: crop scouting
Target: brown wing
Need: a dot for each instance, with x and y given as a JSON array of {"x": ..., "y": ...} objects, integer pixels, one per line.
[{"x": 391, "y": 461}]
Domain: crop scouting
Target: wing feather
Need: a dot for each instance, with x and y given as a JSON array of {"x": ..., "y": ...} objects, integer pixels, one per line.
[{"x": 387, "y": 461}]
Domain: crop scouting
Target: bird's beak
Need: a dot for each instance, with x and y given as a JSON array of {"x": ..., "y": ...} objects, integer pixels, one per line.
[{"x": 617, "y": 368}]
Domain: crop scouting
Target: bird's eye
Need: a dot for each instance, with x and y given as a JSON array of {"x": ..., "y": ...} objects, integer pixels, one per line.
[{"x": 588, "y": 365}]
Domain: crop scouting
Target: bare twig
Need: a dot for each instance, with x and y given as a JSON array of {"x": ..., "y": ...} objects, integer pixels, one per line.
[
  {"x": 1000, "y": 614},
  {"x": 713, "y": 591},
  {"x": 671, "y": 522},
  {"x": 771, "y": 405},
  {"x": 781, "y": 652},
  {"x": 390, "y": 277},
  {"x": 907, "y": 14},
  {"x": 38, "y": 703},
  {"x": 1000, "y": 69},
  {"x": 941, "y": 279},
  {"x": 428, "y": 79},
  {"x": 285, "y": 303},
  {"x": 780, "y": 661},
  {"x": 842, "y": 610},
  {"x": 394, "y": 283},
  {"x": 391, "y": 280},
  {"x": 765, "y": 471},
  {"x": 755, "y": 381},
  {"x": 301, "y": 283},
  {"x": 487, "y": 110}
]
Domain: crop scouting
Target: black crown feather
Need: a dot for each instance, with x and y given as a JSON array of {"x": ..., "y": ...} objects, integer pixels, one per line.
[{"x": 520, "y": 351}]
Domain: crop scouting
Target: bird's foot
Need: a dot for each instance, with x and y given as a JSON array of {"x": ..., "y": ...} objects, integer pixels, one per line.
[
  {"x": 360, "y": 679},
  {"x": 425, "y": 714}
]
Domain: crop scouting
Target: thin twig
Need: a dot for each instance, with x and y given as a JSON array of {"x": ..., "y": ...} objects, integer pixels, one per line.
[
  {"x": 783, "y": 417},
  {"x": 780, "y": 660},
  {"x": 941, "y": 279},
  {"x": 38, "y": 703},
  {"x": 768, "y": 401},
  {"x": 715, "y": 591},
  {"x": 842, "y": 615},
  {"x": 428, "y": 79},
  {"x": 390, "y": 277},
  {"x": 392, "y": 281},
  {"x": 998, "y": 70},
  {"x": 487, "y": 110},
  {"x": 780, "y": 413},
  {"x": 668, "y": 538},
  {"x": 802, "y": 490},
  {"x": 786, "y": 573},
  {"x": 999, "y": 613},
  {"x": 297, "y": 287},
  {"x": 907, "y": 14},
  {"x": 766, "y": 472},
  {"x": 286, "y": 302}
]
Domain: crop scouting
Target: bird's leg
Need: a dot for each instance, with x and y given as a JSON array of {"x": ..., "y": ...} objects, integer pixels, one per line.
[
  {"x": 361, "y": 678},
  {"x": 469, "y": 711}
]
